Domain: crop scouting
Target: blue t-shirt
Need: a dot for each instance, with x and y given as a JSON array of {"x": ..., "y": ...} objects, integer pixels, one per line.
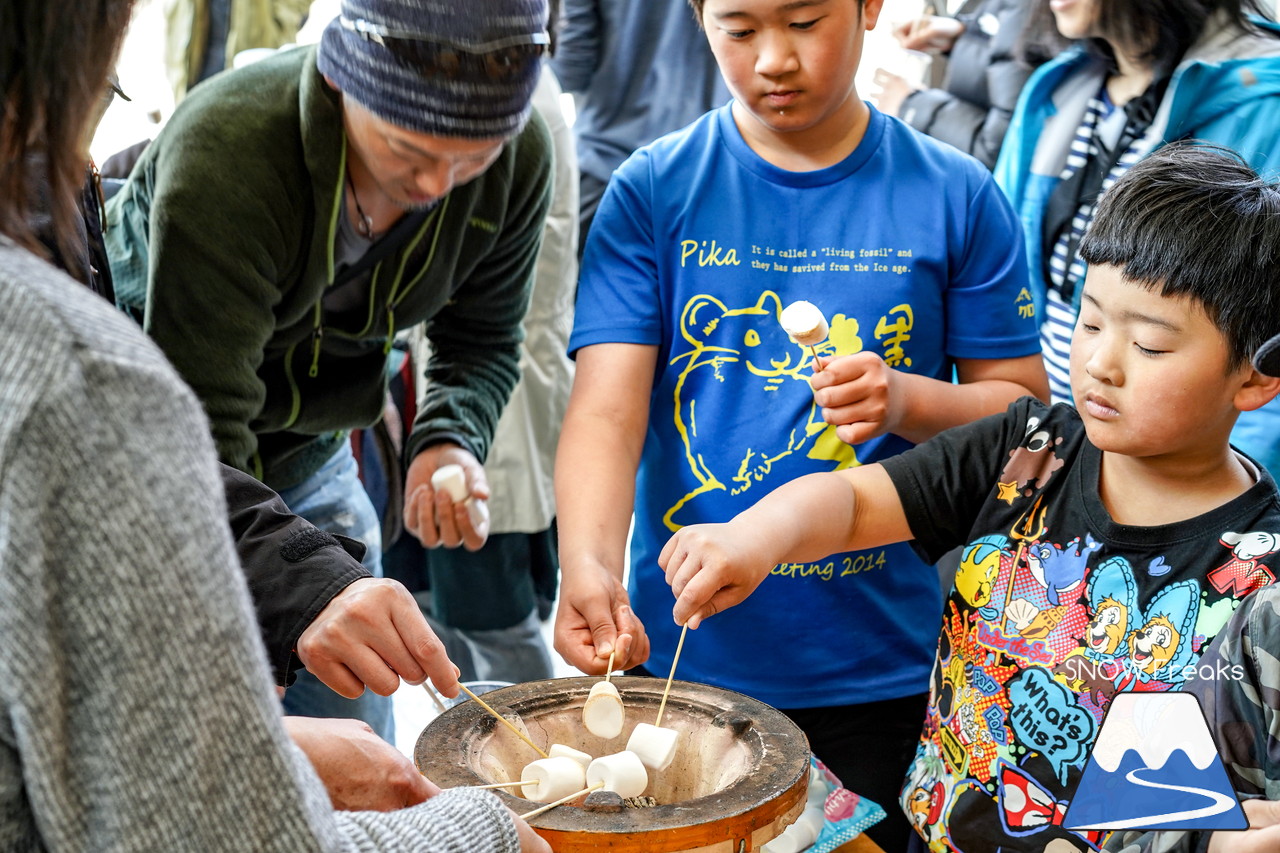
[{"x": 912, "y": 252}]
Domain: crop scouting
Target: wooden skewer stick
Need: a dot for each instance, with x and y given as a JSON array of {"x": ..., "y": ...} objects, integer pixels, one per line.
[
  {"x": 435, "y": 697},
  {"x": 549, "y": 806},
  {"x": 502, "y": 720},
  {"x": 505, "y": 785},
  {"x": 663, "y": 705},
  {"x": 817, "y": 368},
  {"x": 609, "y": 671}
]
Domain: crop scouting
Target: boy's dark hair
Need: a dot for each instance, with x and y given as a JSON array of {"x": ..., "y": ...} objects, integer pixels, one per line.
[
  {"x": 1195, "y": 220},
  {"x": 54, "y": 60},
  {"x": 697, "y": 8}
]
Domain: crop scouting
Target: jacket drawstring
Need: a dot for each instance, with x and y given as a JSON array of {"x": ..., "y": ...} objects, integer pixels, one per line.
[{"x": 317, "y": 334}]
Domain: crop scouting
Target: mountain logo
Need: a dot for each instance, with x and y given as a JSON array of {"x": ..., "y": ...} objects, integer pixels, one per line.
[{"x": 1154, "y": 766}]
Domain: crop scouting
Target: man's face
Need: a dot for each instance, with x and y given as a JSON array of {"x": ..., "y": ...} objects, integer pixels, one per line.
[
  {"x": 1149, "y": 372},
  {"x": 790, "y": 65},
  {"x": 415, "y": 170}
]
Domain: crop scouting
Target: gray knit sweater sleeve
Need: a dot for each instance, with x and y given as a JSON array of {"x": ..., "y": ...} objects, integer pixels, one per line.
[{"x": 136, "y": 709}]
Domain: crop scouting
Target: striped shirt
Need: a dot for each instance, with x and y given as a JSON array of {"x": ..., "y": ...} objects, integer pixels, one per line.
[{"x": 1066, "y": 268}]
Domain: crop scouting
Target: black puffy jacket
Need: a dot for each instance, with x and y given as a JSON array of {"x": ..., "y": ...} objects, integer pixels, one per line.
[{"x": 972, "y": 108}]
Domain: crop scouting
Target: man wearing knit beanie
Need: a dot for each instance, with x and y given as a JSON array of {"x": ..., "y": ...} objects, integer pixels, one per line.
[{"x": 295, "y": 214}]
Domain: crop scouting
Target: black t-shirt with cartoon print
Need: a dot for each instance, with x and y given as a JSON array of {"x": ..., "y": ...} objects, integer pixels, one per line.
[{"x": 1055, "y": 609}]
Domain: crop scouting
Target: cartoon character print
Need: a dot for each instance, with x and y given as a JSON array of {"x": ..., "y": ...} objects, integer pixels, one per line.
[
  {"x": 1042, "y": 605},
  {"x": 1031, "y": 465},
  {"x": 1244, "y": 572},
  {"x": 748, "y": 348},
  {"x": 967, "y": 726},
  {"x": 979, "y": 567},
  {"x": 1027, "y": 807},
  {"x": 1161, "y": 646},
  {"x": 924, "y": 798},
  {"x": 1113, "y": 604},
  {"x": 1093, "y": 667},
  {"x": 1058, "y": 569}
]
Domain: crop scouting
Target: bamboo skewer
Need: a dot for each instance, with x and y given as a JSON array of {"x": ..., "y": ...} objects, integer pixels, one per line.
[
  {"x": 663, "y": 705},
  {"x": 609, "y": 671},
  {"x": 502, "y": 720},
  {"x": 493, "y": 785},
  {"x": 435, "y": 697},
  {"x": 549, "y": 806}
]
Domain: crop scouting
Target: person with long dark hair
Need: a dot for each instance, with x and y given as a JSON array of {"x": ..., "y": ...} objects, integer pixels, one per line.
[
  {"x": 1140, "y": 74},
  {"x": 136, "y": 706}
]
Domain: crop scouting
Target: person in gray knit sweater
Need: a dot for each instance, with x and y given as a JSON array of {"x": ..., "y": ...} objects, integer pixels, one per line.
[{"x": 118, "y": 577}]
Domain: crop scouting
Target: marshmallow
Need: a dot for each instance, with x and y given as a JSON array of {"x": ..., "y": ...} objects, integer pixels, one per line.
[
  {"x": 799, "y": 835},
  {"x": 556, "y": 778},
  {"x": 603, "y": 714},
  {"x": 654, "y": 745},
  {"x": 621, "y": 772},
  {"x": 559, "y": 750},
  {"x": 814, "y": 818},
  {"x": 451, "y": 479},
  {"x": 817, "y": 788},
  {"x": 804, "y": 322}
]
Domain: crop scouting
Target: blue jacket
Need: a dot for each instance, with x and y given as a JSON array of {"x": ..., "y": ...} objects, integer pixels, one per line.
[{"x": 1226, "y": 91}]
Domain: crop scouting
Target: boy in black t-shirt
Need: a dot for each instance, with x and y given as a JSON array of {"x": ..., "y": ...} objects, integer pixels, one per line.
[{"x": 1104, "y": 545}]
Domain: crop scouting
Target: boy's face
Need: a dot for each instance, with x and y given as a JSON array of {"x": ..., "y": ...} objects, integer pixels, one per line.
[
  {"x": 1149, "y": 372},
  {"x": 791, "y": 65}
]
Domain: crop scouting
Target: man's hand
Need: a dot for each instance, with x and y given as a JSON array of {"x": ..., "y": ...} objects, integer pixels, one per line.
[
  {"x": 593, "y": 619},
  {"x": 889, "y": 91},
  {"x": 361, "y": 771},
  {"x": 711, "y": 567},
  {"x": 432, "y": 516},
  {"x": 928, "y": 32},
  {"x": 372, "y": 633},
  {"x": 1262, "y": 836},
  {"x": 858, "y": 393}
]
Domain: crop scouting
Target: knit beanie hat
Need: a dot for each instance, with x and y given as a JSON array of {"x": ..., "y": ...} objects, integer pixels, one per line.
[{"x": 463, "y": 68}]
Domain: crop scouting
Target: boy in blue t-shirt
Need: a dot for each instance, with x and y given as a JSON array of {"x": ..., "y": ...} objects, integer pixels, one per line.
[
  {"x": 1103, "y": 545},
  {"x": 690, "y": 399}
]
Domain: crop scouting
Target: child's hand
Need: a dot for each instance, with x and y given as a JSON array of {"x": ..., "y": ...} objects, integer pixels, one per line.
[
  {"x": 711, "y": 567},
  {"x": 593, "y": 619},
  {"x": 858, "y": 393}
]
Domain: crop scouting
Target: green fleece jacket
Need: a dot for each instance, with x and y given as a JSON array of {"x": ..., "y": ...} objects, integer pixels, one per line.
[{"x": 223, "y": 243}]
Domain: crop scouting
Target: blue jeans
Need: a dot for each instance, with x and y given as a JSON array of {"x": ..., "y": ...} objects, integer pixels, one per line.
[{"x": 334, "y": 499}]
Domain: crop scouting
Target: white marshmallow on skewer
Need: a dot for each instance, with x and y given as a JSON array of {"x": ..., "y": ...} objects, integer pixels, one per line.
[
  {"x": 603, "y": 713},
  {"x": 804, "y": 322},
  {"x": 451, "y": 479},
  {"x": 654, "y": 745},
  {"x": 621, "y": 772},
  {"x": 559, "y": 750},
  {"x": 556, "y": 778}
]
